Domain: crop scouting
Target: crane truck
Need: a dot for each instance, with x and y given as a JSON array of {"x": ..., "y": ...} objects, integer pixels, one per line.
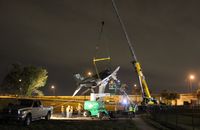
[{"x": 146, "y": 95}]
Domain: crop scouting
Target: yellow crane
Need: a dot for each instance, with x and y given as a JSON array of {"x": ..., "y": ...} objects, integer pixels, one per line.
[{"x": 147, "y": 98}]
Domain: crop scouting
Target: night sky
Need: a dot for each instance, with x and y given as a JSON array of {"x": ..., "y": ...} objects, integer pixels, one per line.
[{"x": 61, "y": 35}]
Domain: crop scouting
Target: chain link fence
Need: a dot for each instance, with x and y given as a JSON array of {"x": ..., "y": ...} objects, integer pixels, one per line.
[{"x": 176, "y": 117}]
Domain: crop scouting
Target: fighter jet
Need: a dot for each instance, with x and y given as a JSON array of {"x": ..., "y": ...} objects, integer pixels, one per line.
[{"x": 92, "y": 82}]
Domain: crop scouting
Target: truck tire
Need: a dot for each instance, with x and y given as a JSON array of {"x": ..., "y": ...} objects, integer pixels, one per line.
[
  {"x": 27, "y": 120},
  {"x": 100, "y": 115},
  {"x": 48, "y": 116},
  {"x": 86, "y": 114}
]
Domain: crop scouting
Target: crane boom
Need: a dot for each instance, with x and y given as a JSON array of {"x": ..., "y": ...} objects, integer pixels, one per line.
[
  {"x": 147, "y": 99},
  {"x": 125, "y": 32}
]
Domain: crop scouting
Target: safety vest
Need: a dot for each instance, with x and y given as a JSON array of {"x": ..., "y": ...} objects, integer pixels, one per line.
[{"x": 131, "y": 109}]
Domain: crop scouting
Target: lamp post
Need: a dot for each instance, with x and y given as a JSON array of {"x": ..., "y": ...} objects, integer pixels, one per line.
[
  {"x": 53, "y": 89},
  {"x": 191, "y": 78},
  {"x": 134, "y": 89},
  {"x": 135, "y": 92},
  {"x": 89, "y": 74},
  {"x": 20, "y": 86}
]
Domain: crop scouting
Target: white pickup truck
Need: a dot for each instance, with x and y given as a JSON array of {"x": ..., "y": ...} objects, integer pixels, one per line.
[{"x": 27, "y": 110}]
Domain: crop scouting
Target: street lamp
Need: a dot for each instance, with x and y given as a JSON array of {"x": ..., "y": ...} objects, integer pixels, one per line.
[
  {"x": 53, "y": 89},
  {"x": 89, "y": 73},
  {"x": 191, "y": 78},
  {"x": 135, "y": 89},
  {"x": 20, "y": 86}
]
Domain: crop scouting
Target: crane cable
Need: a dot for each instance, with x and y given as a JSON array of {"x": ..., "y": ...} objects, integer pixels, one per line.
[
  {"x": 100, "y": 39},
  {"x": 125, "y": 32},
  {"x": 102, "y": 16}
]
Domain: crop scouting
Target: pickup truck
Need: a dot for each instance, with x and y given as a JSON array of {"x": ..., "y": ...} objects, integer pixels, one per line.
[{"x": 27, "y": 110}]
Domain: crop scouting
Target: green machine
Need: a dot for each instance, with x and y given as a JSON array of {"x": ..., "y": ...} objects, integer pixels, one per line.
[{"x": 95, "y": 108}]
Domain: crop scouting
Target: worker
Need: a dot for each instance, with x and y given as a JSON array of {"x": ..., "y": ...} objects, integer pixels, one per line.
[
  {"x": 79, "y": 109},
  {"x": 135, "y": 108},
  {"x": 131, "y": 111},
  {"x": 62, "y": 111},
  {"x": 67, "y": 111},
  {"x": 71, "y": 111}
]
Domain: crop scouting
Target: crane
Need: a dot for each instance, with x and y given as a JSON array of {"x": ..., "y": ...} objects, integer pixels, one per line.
[{"x": 147, "y": 98}]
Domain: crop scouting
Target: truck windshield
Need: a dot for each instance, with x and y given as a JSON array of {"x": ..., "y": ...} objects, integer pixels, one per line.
[{"x": 25, "y": 103}]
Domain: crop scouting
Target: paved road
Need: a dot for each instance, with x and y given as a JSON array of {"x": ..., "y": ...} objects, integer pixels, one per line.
[{"x": 142, "y": 125}]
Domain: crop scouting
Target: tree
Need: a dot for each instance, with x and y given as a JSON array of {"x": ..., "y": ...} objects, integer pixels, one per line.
[
  {"x": 136, "y": 90},
  {"x": 24, "y": 80},
  {"x": 164, "y": 94},
  {"x": 169, "y": 96},
  {"x": 174, "y": 96}
]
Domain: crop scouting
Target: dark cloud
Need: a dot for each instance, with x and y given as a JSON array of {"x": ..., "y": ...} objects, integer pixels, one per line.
[{"x": 62, "y": 35}]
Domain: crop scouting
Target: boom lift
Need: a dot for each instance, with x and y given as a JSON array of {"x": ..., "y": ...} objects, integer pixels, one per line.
[
  {"x": 147, "y": 98},
  {"x": 96, "y": 107}
]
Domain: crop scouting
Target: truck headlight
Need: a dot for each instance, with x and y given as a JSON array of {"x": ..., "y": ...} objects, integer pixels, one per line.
[{"x": 21, "y": 112}]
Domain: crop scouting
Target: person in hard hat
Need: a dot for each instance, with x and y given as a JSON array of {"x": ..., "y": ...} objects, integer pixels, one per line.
[
  {"x": 135, "y": 108},
  {"x": 62, "y": 111},
  {"x": 67, "y": 111},
  {"x": 71, "y": 111},
  {"x": 131, "y": 111},
  {"x": 79, "y": 109}
]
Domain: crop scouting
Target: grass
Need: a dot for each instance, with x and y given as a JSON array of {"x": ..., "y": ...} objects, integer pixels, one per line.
[{"x": 71, "y": 125}]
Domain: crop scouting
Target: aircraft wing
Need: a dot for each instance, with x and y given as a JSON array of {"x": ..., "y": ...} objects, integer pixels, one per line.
[
  {"x": 77, "y": 90},
  {"x": 114, "y": 74},
  {"x": 103, "y": 82}
]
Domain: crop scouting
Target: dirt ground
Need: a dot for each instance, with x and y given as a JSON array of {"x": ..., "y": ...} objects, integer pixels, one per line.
[
  {"x": 71, "y": 125},
  {"x": 79, "y": 124}
]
